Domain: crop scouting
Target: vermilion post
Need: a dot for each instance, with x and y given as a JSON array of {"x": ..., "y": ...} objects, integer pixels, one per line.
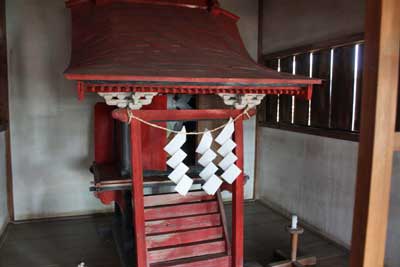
[
  {"x": 238, "y": 196},
  {"x": 137, "y": 193}
]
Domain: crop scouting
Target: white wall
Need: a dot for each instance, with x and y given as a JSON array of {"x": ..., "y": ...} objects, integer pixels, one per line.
[
  {"x": 311, "y": 176},
  {"x": 3, "y": 184},
  {"x": 51, "y": 131}
]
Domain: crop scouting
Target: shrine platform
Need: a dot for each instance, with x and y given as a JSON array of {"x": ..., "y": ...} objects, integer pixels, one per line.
[{"x": 68, "y": 242}]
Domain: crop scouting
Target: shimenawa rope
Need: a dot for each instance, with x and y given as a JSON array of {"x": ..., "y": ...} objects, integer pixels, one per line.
[{"x": 131, "y": 117}]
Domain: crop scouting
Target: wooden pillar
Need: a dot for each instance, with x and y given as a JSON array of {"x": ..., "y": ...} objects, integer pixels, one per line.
[
  {"x": 382, "y": 36},
  {"x": 238, "y": 196},
  {"x": 137, "y": 194}
]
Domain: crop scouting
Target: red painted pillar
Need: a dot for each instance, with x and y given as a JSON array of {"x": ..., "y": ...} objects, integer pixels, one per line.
[
  {"x": 137, "y": 193},
  {"x": 238, "y": 196}
]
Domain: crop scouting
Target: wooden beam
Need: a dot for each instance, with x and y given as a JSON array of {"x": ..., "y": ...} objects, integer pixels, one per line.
[{"x": 377, "y": 134}]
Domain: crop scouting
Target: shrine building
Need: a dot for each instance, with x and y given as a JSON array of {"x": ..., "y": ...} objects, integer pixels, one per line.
[{"x": 199, "y": 133}]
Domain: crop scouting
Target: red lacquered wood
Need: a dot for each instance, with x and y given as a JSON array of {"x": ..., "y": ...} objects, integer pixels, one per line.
[
  {"x": 224, "y": 223},
  {"x": 238, "y": 196},
  {"x": 180, "y": 238},
  {"x": 174, "y": 198},
  {"x": 168, "y": 254},
  {"x": 203, "y": 4},
  {"x": 221, "y": 261},
  {"x": 103, "y": 134},
  {"x": 184, "y": 223},
  {"x": 211, "y": 54},
  {"x": 93, "y": 87},
  {"x": 180, "y": 210},
  {"x": 181, "y": 115},
  {"x": 137, "y": 194},
  {"x": 107, "y": 197},
  {"x": 155, "y": 157}
]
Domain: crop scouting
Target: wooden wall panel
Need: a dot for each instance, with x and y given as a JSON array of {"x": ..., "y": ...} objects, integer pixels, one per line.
[
  {"x": 270, "y": 103},
  {"x": 320, "y": 103},
  {"x": 271, "y": 114},
  {"x": 285, "y": 101},
  {"x": 342, "y": 88},
  {"x": 302, "y": 105}
]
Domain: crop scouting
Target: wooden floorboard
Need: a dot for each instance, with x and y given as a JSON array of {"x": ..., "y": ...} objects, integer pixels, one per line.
[{"x": 89, "y": 240}]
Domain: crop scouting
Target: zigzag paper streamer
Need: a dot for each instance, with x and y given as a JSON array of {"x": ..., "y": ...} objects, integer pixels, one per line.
[
  {"x": 178, "y": 175},
  {"x": 213, "y": 183},
  {"x": 231, "y": 171}
]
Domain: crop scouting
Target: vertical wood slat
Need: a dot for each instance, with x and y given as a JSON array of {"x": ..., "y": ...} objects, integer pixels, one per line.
[
  {"x": 342, "y": 88},
  {"x": 137, "y": 194},
  {"x": 302, "y": 105},
  {"x": 320, "y": 104},
  {"x": 271, "y": 101},
  {"x": 357, "y": 118},
  {"x": 375, "y": 156},
  {"x": 285, "y": 101}
]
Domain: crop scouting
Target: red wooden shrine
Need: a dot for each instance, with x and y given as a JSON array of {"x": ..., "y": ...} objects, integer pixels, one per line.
[{"x": 134, "y": 53}]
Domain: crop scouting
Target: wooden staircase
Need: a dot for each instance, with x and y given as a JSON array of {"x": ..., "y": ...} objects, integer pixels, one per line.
[{"x": 188, "y": 231}]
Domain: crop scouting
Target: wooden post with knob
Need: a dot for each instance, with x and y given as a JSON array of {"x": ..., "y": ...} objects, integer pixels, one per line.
[{"x": 293, "y": 261}]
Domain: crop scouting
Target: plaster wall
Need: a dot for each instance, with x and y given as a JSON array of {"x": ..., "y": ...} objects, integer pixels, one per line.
[
  {"x": 3, "y": 184},
  {"x": 51, "y": 132}
]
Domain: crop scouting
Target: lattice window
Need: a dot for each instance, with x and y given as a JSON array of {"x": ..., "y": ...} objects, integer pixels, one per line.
[{"x": 335, "y": 107}]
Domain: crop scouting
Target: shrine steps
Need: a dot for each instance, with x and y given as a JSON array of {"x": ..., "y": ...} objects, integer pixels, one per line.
[{"x": 186, "y": 231}]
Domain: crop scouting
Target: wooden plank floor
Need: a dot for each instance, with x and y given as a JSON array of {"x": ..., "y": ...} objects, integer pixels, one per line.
[{"x": 89, "y": 240}]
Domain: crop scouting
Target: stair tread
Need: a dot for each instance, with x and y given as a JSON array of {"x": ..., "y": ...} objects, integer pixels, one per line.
[
  {"x": 181, "y": 210},
  {"x": 211, "y": 260},
  {"x": 184, "y": 237},
  {"x": 182, "y": 223},
  {"x": 187, "y": 251},
  {"x": 196, "y": 196}
]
